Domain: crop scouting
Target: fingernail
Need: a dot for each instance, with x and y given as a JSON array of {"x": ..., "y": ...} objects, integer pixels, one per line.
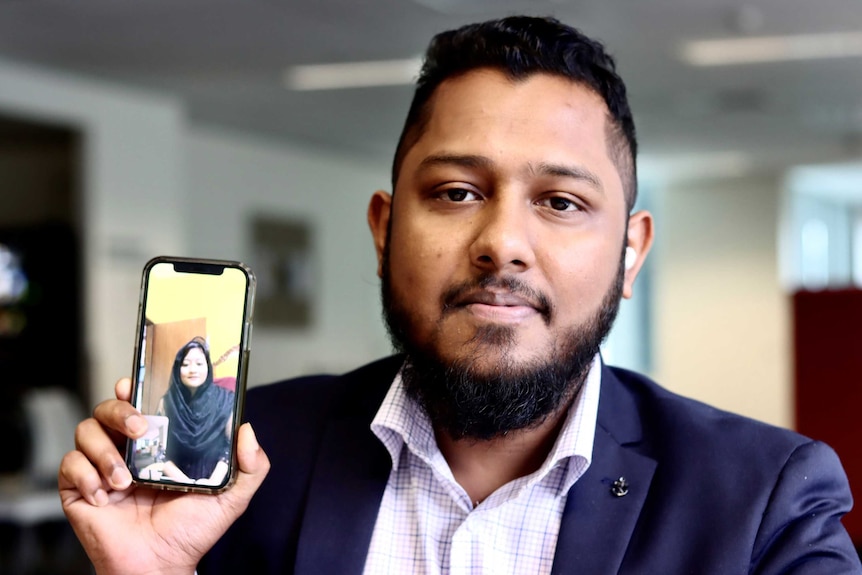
[
  {"x": 254, "y": 437},
  {"x": 100, "y": 497},
  {"x": 136, "y": 424},
  {"x": 120, "y": 477}
]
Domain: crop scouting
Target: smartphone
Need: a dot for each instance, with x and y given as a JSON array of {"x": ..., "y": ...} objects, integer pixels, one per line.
[{"x": 189, "y": 374}]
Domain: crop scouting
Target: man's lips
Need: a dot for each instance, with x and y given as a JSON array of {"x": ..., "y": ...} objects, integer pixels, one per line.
[
  {"x": 497, "y": 298},
  {"x": 494, "y": 298},
  {"x": 497, "y": 305}
]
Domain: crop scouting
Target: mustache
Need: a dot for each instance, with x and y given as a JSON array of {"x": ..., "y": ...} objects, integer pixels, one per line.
[{"x": 472, "y": 289}]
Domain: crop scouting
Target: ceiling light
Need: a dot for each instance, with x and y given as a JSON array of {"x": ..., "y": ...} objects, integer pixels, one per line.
[
  {"x": 755, "y": 50},
  {"x": 352, "y": 74}
]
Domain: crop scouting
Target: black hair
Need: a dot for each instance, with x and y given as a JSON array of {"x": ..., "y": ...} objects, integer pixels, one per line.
[{"x": 521, "y": 46}]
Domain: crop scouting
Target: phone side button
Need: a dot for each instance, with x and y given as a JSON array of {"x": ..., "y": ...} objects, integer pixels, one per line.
[{"x": 247, "y": 337}]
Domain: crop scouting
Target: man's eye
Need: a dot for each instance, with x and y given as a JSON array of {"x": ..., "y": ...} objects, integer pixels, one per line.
[
  {"x": 562, "y": 204},
  {"x": 458, "y": 195}
]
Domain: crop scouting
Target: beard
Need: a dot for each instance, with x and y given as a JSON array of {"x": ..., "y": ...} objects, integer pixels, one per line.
[{"x": 468, "y": 402}]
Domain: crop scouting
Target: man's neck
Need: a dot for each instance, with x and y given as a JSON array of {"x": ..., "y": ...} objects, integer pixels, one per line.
[{"x": 482, "y": 467}]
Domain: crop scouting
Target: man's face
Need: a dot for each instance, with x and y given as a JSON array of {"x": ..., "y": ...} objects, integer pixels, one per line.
[{"x": 507, "y": 225}]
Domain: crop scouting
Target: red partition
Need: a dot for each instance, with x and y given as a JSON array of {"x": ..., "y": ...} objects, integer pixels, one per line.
[{"x": 828, "y": 372}]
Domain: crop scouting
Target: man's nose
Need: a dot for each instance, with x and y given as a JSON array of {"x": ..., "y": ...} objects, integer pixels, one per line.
[{"x": 503, "y": 236}]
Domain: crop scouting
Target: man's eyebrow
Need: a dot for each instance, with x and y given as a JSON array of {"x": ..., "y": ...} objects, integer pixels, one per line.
[
  {"x": 564, "y": 171},
  {"x": 463, "y": 160},
  {"x": 544, "y": 168}
]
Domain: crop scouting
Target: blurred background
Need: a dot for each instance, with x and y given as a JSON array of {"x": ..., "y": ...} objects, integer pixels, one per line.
[{"x": 258, "y": 130}]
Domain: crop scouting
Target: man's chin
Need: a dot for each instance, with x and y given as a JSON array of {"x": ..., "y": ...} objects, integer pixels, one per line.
[
  {"x": 485, "y": 397},
  {"x": 485, "y": 344},
  {"x": 489, "y": 362}
]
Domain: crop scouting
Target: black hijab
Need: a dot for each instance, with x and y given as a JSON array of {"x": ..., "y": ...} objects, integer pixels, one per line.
[{"x": 196, "y": 432}]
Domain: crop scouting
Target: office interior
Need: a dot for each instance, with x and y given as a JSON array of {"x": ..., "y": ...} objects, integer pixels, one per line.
[{"x": 135, "y": 130}]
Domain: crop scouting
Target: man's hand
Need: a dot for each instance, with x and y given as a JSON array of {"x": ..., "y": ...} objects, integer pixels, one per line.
[{"x": 134, "y": 530}]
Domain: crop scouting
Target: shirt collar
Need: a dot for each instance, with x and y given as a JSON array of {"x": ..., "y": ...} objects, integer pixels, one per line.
[{"x": 401, "y": 421}]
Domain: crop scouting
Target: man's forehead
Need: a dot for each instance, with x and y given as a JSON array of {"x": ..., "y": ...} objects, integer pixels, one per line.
[
  {"x": 545, "y": 117},
  {"x": 487, "y": 103}
]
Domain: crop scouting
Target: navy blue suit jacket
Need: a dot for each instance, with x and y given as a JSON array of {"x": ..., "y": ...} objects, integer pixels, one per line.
[{"x": 709, "y": 492}]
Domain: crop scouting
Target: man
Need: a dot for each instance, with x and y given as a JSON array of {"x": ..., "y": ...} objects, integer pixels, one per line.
[{"x": 496, "y": 441}]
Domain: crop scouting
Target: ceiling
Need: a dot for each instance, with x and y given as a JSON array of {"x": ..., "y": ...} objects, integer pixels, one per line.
[{"x": 225, "y": 60}]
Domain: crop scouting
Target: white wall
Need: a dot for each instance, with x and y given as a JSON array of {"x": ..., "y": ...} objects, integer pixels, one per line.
[
  {"x": 722, "y": 321},
  {"x": 232, "y": 177}
]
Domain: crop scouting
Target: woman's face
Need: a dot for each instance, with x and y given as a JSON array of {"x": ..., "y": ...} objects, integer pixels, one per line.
[{"x": 193, "y": 371}]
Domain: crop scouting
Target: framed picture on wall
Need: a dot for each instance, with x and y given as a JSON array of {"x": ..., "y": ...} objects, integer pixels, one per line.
[{"x": 283, "y": 262}]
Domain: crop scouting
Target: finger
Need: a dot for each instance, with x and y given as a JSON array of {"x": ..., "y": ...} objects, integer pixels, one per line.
[
  {"x": 123, "y": 389},
  {"x": 253, "y": 467},
  {"x": 78, "y": 478},
  {"x": 121, "y": 416},
  {"x": 93, "y": 441},
  {"x": 252, "y": 460}
]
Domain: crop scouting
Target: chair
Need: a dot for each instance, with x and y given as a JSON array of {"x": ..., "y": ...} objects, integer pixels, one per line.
[{"x": 29, "y": 498}]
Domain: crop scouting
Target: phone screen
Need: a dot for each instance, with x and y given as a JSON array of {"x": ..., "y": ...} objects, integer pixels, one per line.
[{"x": 189, "y": 372}]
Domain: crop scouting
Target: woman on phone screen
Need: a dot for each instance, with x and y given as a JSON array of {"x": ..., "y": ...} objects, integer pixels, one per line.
[{"x": 199, "y": 414}]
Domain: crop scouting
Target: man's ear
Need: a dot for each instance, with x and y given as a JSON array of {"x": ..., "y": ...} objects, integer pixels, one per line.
[
  {"x": 379, "y": 209},
  {"x": 639, "y": 238}
]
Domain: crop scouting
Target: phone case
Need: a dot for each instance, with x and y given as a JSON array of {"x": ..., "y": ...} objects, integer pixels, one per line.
[{"x": 184, "y": 392}]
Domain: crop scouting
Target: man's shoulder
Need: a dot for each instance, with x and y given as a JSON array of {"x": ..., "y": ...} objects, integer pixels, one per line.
[
  {"x": 672, "y": 421},
  {"x": 772, "y": 497},
  {"x": 316, "y": 383},
  {"x": 307, "y": 397}
]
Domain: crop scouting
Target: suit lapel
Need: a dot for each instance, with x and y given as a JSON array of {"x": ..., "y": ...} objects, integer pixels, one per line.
[
  {"x": 597, "y": 525},
  {"x": 348, "y": 480}
]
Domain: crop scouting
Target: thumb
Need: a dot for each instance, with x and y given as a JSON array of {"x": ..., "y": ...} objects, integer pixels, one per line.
[{"x": 251, "y": 458}]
